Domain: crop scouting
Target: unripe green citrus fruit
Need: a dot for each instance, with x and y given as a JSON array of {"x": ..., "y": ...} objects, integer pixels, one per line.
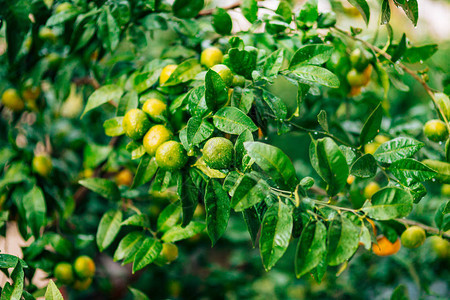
[
  {"x": 224, "y": 72},
  {"x": 84, "y": 267},
  {"x": 211, "y": 56},
  {"x": 155, "y": 137},
  {"x": 445, "y": 190},
  {"x": 135, "y": 123},
  {"x": 355, "y": 78},
  {"x": 171, "y": 156},
  {"x": 155, "y": 109},
  {"x": 124, "y": 177},
  {"x": 218, "y": 153},
  {"x": 82, "y": 285},
  {"x": 440, "y": 246},
  {"x": 42, "y": 164},
  {"x": 64, "y": 273},
  {"x": 12, "y": 100},
  {"x": 435, "y": 130},
  {"x": 413, "y": 237},
  {"x": 168, "y": 254},
  {"x": 166, "y": 72},
  {"x": 371, "y": 189},
  {"x": 358, "y": 60}
]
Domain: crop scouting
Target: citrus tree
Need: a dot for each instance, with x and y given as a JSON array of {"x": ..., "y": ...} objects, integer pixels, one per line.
[{"x": 198, "y": 133}]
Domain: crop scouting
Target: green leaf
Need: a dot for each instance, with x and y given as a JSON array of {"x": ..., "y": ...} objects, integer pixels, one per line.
[
  {"x": 129, "y": 246},
  {"x": 185, "y": 71},
  {"x": 416, "y": 54},
  {"x": 137, "y": 294},
  {"x": 309, "y": 12},
  {"x": 178, "y": 233},
  {"x": 274, "y": 162},
  {"x": 411, "y": 9},
  {"x": 372, "y": 126},
  {"x": 36, "y": 209},
  {"x": 198, "y": 130},
  {"x": 108, "y": 228},
  {"x": 242, "y": 160},
  {"x": 447, "y": 151},
  {"x": 217, "y": 206},
  {"x": 276, "y": 105},
  {"x": 186, "y": 9},
  {"x": 253, "y": 223},
  {"x": 363, "y": 8},
  {"x": 396, "y": 149},
  {"x": 8, "y": 261},
  {"x": 389, "y": 203},
  {"x": 442, "y": 169},
  {"x": 95, "y": 154},
  {"x": 233, "y": 121},
  {"x": 17, "y": 276},
  {"x": 147, "y": 253},
  {"x": 113, "y": 127},
  {"x": 17, "y": 25},
  {"x": 442, "y": 216},
  {"x": 249, "y": 9},
  {"x": 242, "y": 99},
  {"x": 137, "y": 149},
  {"x": 274, "y": 62},
  {"x": 400, "y": 293},
  {"x": 315, "y": 54},
  {"x": 332, "y": 165},
  {"x": 284, "y": 10},
  {"x": 323, "y": 120},
  {"x": 169, "y": 217},
  {"x": 409, "y": 170},
  {"x": 311, "y": 248},
  {"x": 216, "y": 91},
  {"x": 104, "y": 187},
  {"x": 365, "y": 166},
  {"x": 242, "y": 62},
  {"x": 275, "y": 234},
  {"x": 343, "y": 239},
  {"x": 197, "y": 102},
  {"x": 102, "y": 95},
  {"x": 385, "y": 12},
  {"x": 189, "y": 196},
  {"x": 317, "y": 75},
  {"x": 108, "y": 30},
  {"x": 127, "y": 102},
  {"x": 52, "y": 292},
  {"x": 140, "y": 220},
  {"x": 146, "y": 170},
  {"x": 250, "y": 191},
  {"x": 221, "y": 22}
]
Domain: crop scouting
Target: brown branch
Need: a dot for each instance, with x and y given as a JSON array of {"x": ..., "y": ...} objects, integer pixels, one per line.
[
  {"x": 426, "y": 227},
  {"x": 210, "y": 11}
]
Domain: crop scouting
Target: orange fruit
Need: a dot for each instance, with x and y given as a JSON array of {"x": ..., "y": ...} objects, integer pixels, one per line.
[{"x": 384, "y": 247}]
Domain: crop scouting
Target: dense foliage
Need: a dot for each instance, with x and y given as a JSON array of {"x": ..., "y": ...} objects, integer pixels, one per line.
[{"x": 295, "y": 137}]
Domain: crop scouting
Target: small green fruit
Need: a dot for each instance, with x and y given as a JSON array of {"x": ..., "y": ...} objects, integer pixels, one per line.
[
  {"x": 218, "y": 153},
  {"x": 413, "y": 237}
]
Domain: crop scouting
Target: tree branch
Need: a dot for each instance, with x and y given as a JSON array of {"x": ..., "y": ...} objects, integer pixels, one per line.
[{"x": 426, "y": 227}]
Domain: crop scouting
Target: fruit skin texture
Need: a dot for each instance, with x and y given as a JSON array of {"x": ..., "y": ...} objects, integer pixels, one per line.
[
  {"x": 225, "y": 73},
  {"x": 371, "y": 189},
  {"x": 155, "y": 109},
  {"x": 218, "y": 153},
  {"x": 82, "y": 285},
  {"x": 12, "y": 100},
  {"x": 413, "y": 237},
  {"x": 440, "y": 246},
  {"x": 155, "y": 137},
  {"x": 84, "y": 267},
  {"x": 435, "y": 130},
  {"x": 42, "y": 164},
  {"x": 124, "y": 177},
  {"x": 166, "y": 72},
  {"x": 385, "y": 248},
  {"x": 135, "y": 123},
  {"x": 64, "y": 273},
  {"x": 445, "y": 190},
  {"x": 171, "y": 156},
  {"x": 373, "y": 146},
  {"x": 168, "y": 253},
  {"x": 211, "y": 56}
]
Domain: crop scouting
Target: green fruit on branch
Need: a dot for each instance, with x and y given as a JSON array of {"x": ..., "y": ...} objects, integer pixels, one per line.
[
  {"x": 135, "y": 123},
  {"x": 171, "y": 156},
  {"x": 413, "y": 237},
  {"x": 218, "y": 153}
]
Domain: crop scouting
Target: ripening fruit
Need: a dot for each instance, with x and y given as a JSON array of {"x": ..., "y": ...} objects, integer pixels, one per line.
[
  {"x": 155, "y": 137},
  {"x": 371, "y": 189},
  {"x": 84, "y": 267},
  {"x": 413, "y": 237},
  {"x": 380, "y": 139},
  {"x": 168, "y": 253},
  {"x": 124, "y": 177},
  {"x": 166, "y": 72},
  {"x": 358, "y": 60},
  {"x": 12, "y": 100},
  {"x": 440, "y": 246},
  {"x": 31, "y": 93},
  {"x": 225, "y": 73},
  {"x": 171, "y": 156},
  {"x": 218, "y": 153},
  {"x": 155, "y": 109},
  {"x": 73, "y": 105},
  {"x": 355, "y": 79},
  {"x": 350, "y": 179},
  {"x": 64, "y": 273},
  {"x": 373, "y": 146},
  {"x": 211, "y": 56},
  {"x": 82, "y": 285},
  {"x": 445, "y": 190},
  {"x": 435, "y": 130},
  {"x": 444, "y": 104},
  {"x": 135, "y": 123},
  {"x": 42, "y": 164},
  {"x": 384, "y": 247}
]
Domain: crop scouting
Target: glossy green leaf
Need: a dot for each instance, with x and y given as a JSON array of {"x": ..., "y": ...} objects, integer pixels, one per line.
[
  {"x": 178, "y": 233},
  {"x": 217, "y": 206},
  {"x": 216, "y": 91},
  {"x": 242, "y": 159},
  {"x": 442, "y": 169},
  {"x": 52, "y": 292},
  {"x": 169, "y": 217},
  {"x": 108, "y": 30},
  {"x": 146, "y": 170},
  {"x": 250, "y": 191},
  {"x": 400, "y": 293},
  {"x": 147, "y": 253},
  {"x": 109, "y": 227},
  {"x": 127, "y": 102},
  {"x": 242, "y": 99},
  {"x": 309, "y": 12},
  {"x": 372, "y": 125},
  {"x": 104, "y": 187},
  {"x": 396, "y": 149},
  {"x": 389, "y": 203},
  {"x": 140, "y": 220},
  {"x": 276, "y": 105},
  {"x": 189, "y": 196},
  {"x": 364, "y": 167},
  {"x": 323, "y": 120},
  {"x": 363, "y": 8},
  {"x": 137, "y": 294},
  {"x": 137, "y": 149},
  {"x": 317, "y": 75},
  {"x": 184, "y": 72},
  {"x": 409, "y": 170},
  {"x": 198, "y": 130},
  {"x": 411, "y": 9},
  {"x": 113, "y": 127},
  {"x": 315, "y": 54},
  {"x": 102, "y": 95},
  {"x": 311, "y": 248},
  {"x": 36, "y": 209},
  {"x": 221, "y": 22},
  {"x": 253, "y": 223},
  {"x": 233, "y": 121},
  {"x": 343, "y": 239},
  {"x": 417, "y": 54},
  {"x": 385, "y": 12},
  {"x": 250, "y": 10},
  {"x": 196, "y": 101},
  {"x": 242, "y": 62},
  {"x": 442, "y": 216},
  {"x": 274, "y": 62},
  {"x": 128, "y": 246}
]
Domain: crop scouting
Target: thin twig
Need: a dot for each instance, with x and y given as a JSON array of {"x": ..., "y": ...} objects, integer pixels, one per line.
[{"x": 426, "y": 227}]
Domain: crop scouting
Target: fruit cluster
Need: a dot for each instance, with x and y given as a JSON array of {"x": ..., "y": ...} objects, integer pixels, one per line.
[{"x": 79, "y": 275}]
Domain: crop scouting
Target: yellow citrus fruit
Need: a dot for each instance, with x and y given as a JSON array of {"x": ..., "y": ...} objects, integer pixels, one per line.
[
  {"x": 64, "y": 273},
  {"x": 82, "y": 285},
  {"x": 171, "y": 156},
  {"x": 380, "y": 139},
  {"x": 350, "y": 179},
  {"x": 440, "y": 246},
  {"x": 42, "y": 164},
  {"x": 155, "y": 109},
  {"x": 371, "y": 189},
  {"x": 224, "y": 72},
  {"x": 166, "y": 72},
  {"x": 218, "y": 153},
  {"x": 435, "y": 130},
  {"x": 12, "y": 100},
  {"x": 124, "y": 177},
  {"x": 84, "y": 267},
  {"x": 135, "y": 123},
  {"x": 168, "y": 253},
  {"x": 413, "y": 237},
  {"x": 445, "y": 190},
  {"x": 211, "y": 56},
  {"x": 155, "y": 137},
  {"x": 384, "y": 247}
]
